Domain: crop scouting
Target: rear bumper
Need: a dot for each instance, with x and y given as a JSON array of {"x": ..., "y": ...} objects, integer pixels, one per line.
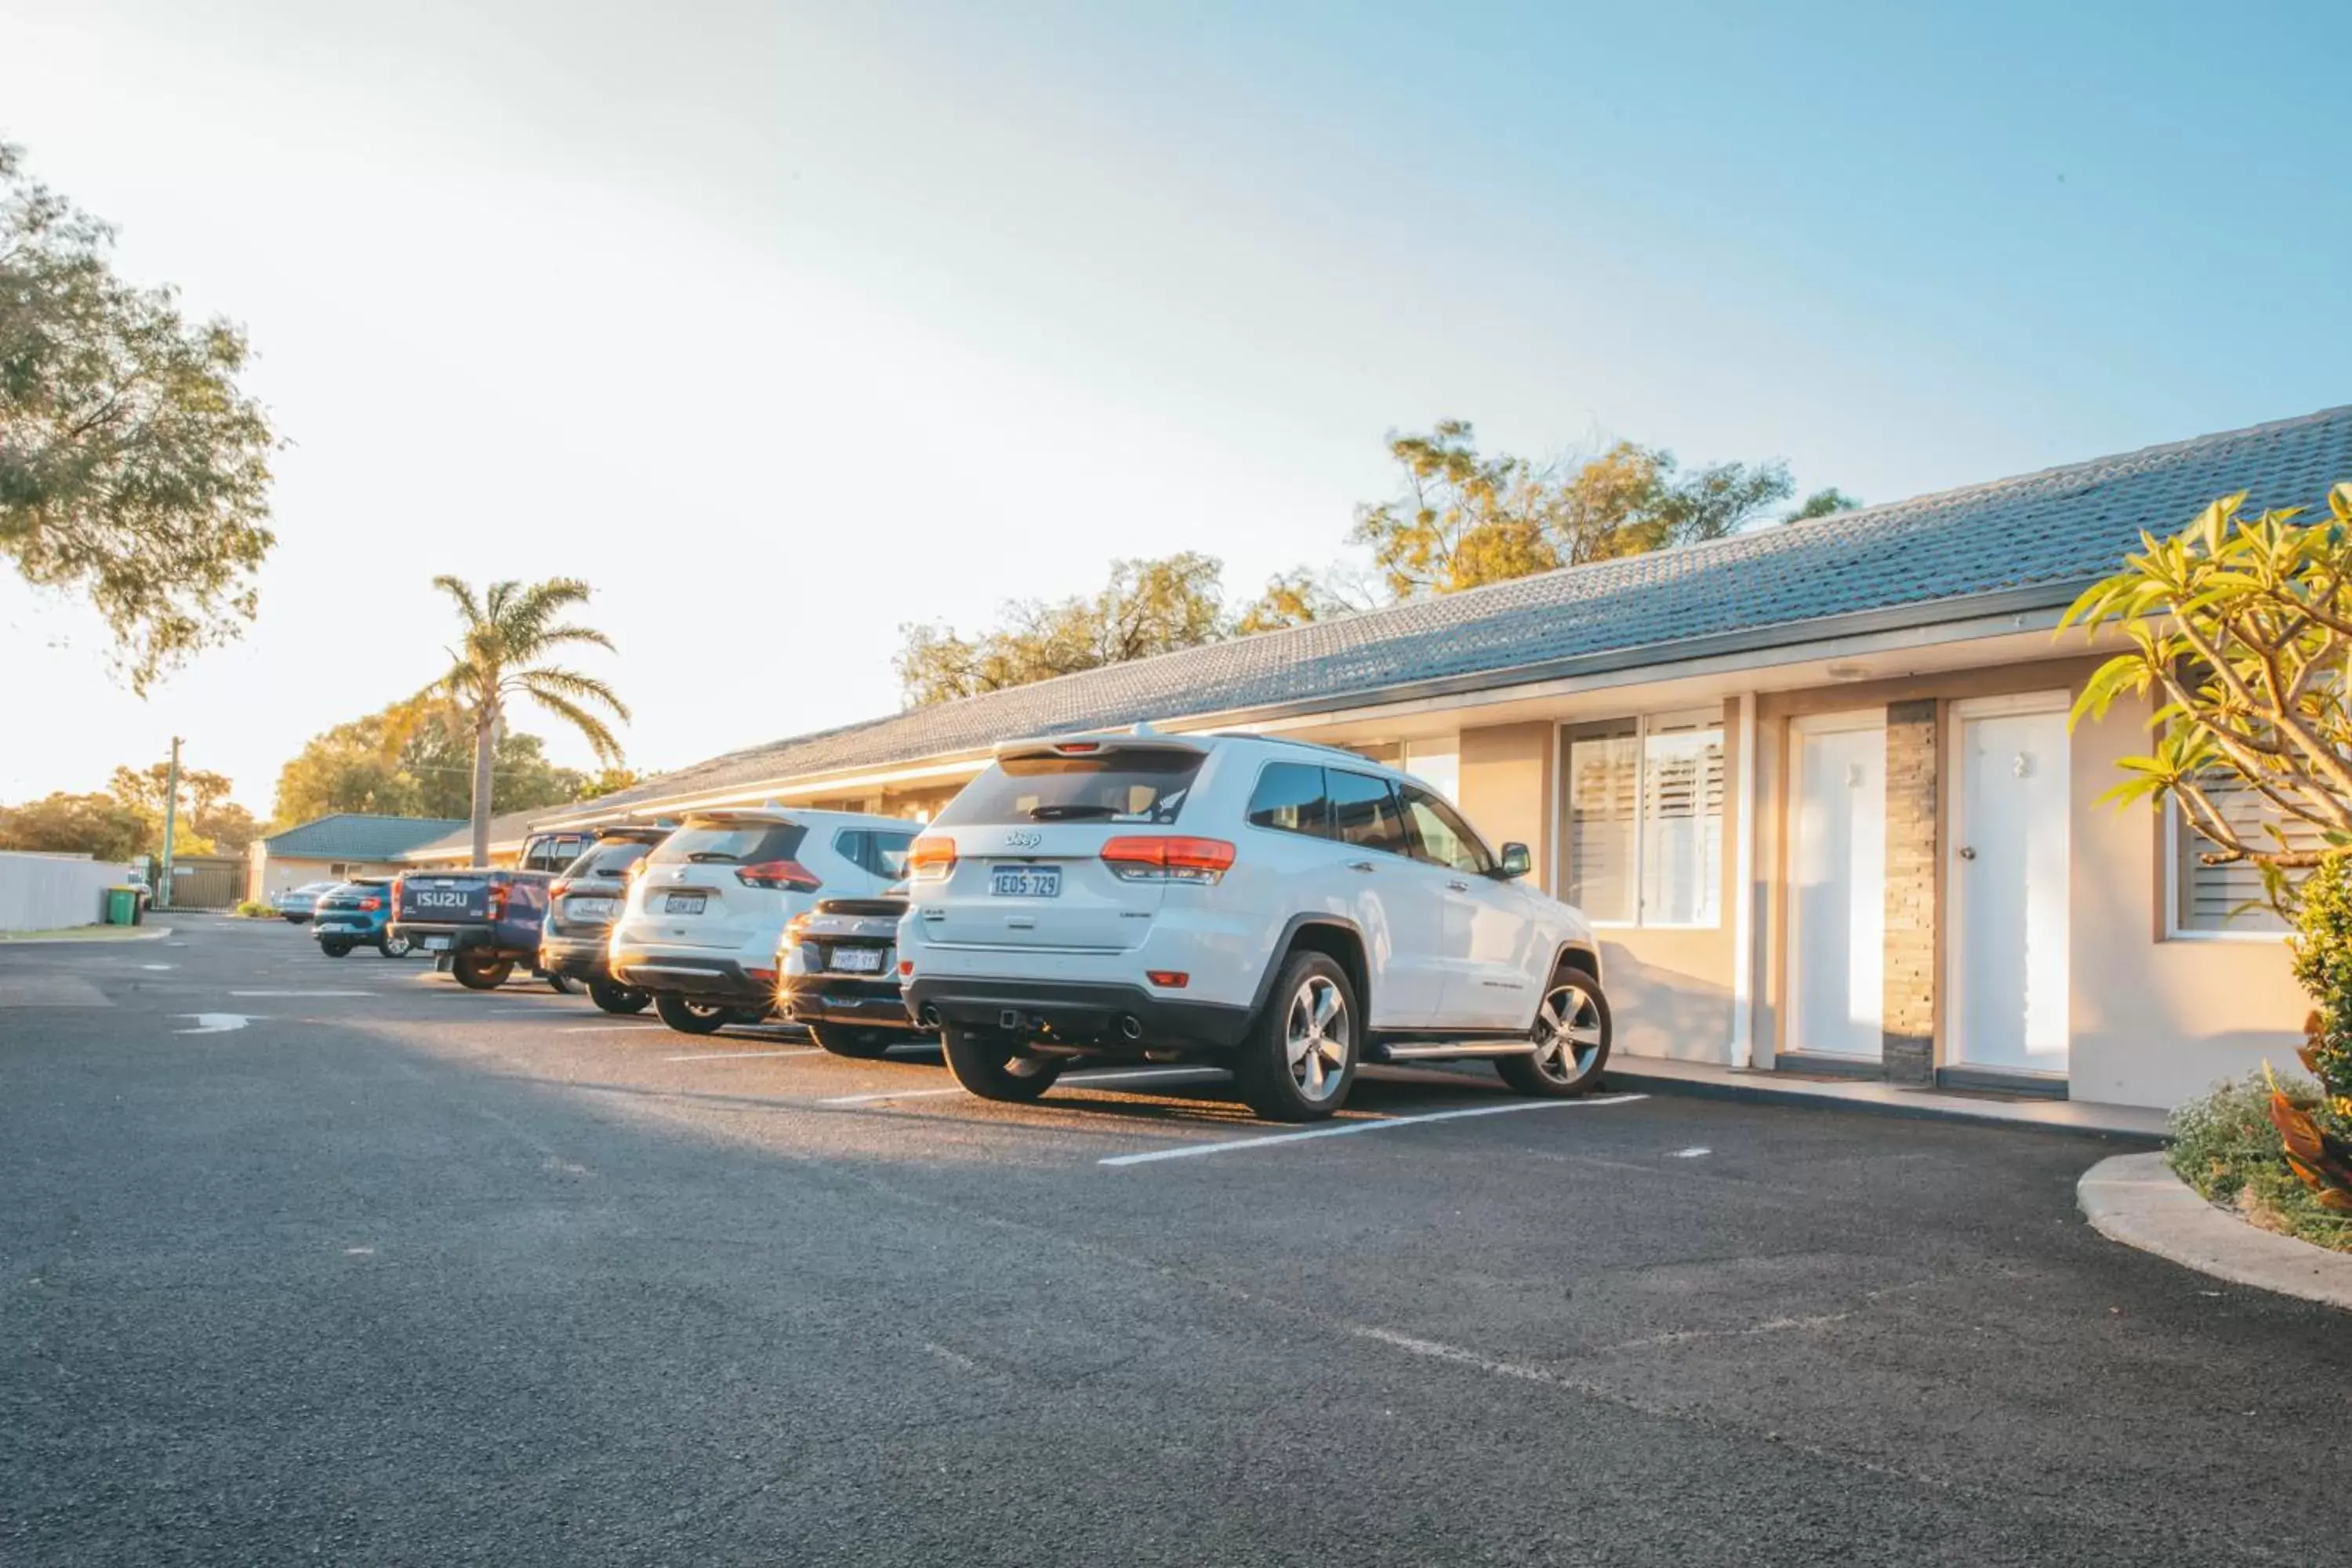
[
  {"x": 574, "y": 957},
  {"x": 462, "y": 938},
  {"x": 705, "y": 979},
  {"x": 831, "y": 999},
  {"x": 1078, "y": 1011},
  {"x": 333, "y": 927}
]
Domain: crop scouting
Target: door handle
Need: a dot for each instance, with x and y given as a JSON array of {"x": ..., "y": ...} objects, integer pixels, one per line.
[
  {"x": 1360, "y": 864},
  {"x": 1459, "y": 887},
  {"x": 1967, "y": 853}
]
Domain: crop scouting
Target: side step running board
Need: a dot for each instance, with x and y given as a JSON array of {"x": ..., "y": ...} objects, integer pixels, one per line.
[{"x": 1430, "y": 1051}]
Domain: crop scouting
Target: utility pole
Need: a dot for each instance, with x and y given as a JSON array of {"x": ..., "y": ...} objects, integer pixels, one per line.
[{"x": 162, "y": 890}]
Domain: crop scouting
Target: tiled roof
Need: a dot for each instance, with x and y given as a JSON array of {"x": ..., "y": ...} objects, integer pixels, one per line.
[
  {"x": 350, "y": 836},
  {"x": 1925, "y": 559}
]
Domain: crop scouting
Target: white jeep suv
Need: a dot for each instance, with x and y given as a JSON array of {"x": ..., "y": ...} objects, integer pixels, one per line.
[
  {"x": 707, "y": 908},
  {"x": 1286, "y": 910}
]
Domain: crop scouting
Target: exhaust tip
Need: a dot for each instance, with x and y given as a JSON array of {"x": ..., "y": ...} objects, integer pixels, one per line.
[
  {"x": 1130, "y": 1026},
  {"x": 929, "y": 1018}
]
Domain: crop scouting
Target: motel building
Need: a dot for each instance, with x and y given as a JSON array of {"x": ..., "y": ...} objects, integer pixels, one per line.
[{"x": 1814, "y": 784}]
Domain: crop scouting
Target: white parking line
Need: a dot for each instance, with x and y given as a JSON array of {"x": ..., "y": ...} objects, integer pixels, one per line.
[
  {"x": 609, "y": 1028},
  {"x": 1342, "y": 1130},
  {"x": 728, "y": 1056},
  {"x": 1089, "y": 1077}
]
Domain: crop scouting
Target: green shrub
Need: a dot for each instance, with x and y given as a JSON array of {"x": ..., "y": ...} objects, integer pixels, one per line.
[
  {"x": 255, "y": 910},
  {"x": 2224, "y": 1146},
  {"x": 2323, "y": 963}
]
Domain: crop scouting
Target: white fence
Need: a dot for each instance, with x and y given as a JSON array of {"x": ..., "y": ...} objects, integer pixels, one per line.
[{"x": 44, "y": 892}]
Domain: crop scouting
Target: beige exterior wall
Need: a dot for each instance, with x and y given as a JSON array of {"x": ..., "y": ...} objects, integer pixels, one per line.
[
  {"x": 2156, "y": 1020},
  {"x": 1669, "y": 988},
  {"x": 1507, "y": 786}
]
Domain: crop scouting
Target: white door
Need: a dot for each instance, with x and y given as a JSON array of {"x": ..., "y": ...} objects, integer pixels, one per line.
[
  {"x": 2007, "y": 874},
  {"x": 1837, "y": 887}
]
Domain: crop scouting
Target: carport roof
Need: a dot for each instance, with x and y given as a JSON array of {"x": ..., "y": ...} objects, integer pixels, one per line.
[
  {"x": 2033, "y": 540},
  {"x": 352, "y": 836}
]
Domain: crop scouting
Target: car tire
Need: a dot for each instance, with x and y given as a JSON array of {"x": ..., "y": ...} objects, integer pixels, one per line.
[
  {"x": 1299, "y": 1059},
  {"x": 562, "y": 986},
  {"x": 749, "y": 1016},
  {"x": 692, "y": 1017},
  {"x": 612, "y": 998},
  {"x": 335, "y": 947},
  {"x": 292, "y": 920},
  {"x": 995, "y": 1067},
  {"x": 396, "y": 947},
  {"x": 1573, "y": 1035},
  {"x": 843, "y": 1040},
  {"x": 475, "y": 973}
]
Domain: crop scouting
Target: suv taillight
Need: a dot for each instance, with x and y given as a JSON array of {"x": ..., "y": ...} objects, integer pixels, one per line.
[
  {"x": 1168, "y": 858},
  {"x": 371, "y": 905},
  {"x": 795, "y": 926},
  {"x": 789, "y": 875},
  {"x": 930, "y": 857},
  {"x": 558, "y": 887}
]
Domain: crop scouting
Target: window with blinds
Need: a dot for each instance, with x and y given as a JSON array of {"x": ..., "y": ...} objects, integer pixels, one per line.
[
  {"x": 2229, "y": 896},
  {"x": 1644, "y": 832}
]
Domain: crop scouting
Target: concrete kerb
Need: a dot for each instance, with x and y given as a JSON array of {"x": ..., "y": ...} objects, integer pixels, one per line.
[{"x": 2136, "y": 1200}]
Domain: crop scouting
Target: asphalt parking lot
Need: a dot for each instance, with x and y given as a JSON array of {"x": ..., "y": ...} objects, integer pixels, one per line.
[{"x": 392, "y": 1272}]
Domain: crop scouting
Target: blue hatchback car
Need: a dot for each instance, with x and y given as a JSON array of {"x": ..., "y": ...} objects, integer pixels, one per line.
[{"x": 357, "y": 914}]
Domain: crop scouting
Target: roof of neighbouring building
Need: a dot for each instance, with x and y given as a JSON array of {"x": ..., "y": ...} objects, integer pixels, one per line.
[
  {"x": 2039, "y": 536},
  {"x": 353, "y": 835}
]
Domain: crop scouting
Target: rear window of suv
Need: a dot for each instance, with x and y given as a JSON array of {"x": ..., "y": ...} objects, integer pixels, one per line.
[
  {"x": 730, "y": 844},
  {"x": 608, "y": 861},
  {"x": 1144, "y": 784}
]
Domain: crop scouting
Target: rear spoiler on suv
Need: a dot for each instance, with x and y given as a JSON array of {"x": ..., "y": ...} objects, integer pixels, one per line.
[{"x": 1142, "y": 738}]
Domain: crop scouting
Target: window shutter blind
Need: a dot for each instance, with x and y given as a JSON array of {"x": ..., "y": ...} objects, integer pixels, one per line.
[
  {"x": 1682, "y": 822},
  {"x": 1604, "y": 765},
  {"x": 2216, "y": 898}
]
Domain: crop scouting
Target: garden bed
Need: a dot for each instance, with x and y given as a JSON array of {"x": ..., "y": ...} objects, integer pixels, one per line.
[{"x": 2226, "y": 1149}]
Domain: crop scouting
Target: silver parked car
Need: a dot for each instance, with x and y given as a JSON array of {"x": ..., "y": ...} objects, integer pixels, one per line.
[{"x": 297, "y": 904}]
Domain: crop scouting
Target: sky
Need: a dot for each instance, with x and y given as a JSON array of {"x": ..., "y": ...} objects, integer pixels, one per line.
[{"x": 786, "y": 324}]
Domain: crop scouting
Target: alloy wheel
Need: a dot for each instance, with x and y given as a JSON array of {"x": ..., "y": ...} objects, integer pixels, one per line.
[
  {"x": 1316, "y": 1035},
  {"x": 1568, "y": 1033}
]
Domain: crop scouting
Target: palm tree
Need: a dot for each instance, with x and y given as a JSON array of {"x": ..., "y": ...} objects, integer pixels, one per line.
[{"x": 508, "y": 631}]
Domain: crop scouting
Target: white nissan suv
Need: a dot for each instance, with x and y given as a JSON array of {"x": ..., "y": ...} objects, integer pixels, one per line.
[
  {"x": 707, "y": 906},
  {"x": 1286, "y": 910}
]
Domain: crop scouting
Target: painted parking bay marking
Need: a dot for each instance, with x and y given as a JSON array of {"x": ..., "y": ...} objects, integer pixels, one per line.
[
  {"x": 1381, "y": 1124},
  {"x": 217, "y": 1023}
]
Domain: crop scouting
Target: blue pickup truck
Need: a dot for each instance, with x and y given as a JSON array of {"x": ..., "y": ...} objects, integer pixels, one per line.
[
  {"x": 482, "y": 921},
  {"x": 357, "y": 913}
]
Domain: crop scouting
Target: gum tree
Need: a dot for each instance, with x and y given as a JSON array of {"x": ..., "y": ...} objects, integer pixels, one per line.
[{"x": 133, "y": 468}]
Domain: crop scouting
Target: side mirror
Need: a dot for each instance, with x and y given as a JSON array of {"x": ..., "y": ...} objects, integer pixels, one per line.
[{"x": 1517, "y": 862}]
